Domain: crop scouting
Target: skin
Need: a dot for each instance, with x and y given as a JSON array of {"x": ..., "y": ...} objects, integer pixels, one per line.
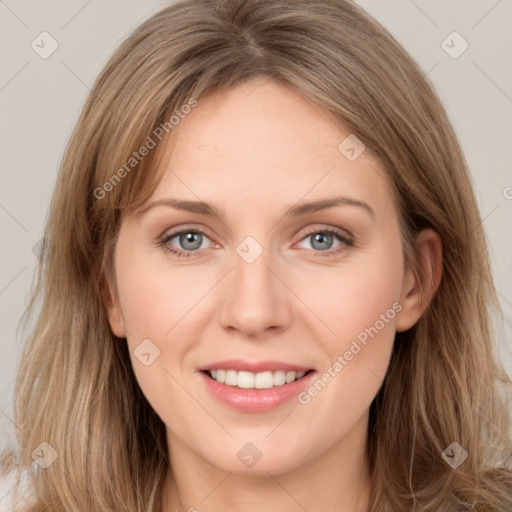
[{"x": 254, "y": 151}]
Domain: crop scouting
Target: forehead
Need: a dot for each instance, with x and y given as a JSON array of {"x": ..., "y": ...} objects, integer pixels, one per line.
[{"x": 262, "y": 144}]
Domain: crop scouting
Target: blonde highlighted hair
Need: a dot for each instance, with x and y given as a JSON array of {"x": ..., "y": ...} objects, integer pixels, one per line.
[{"x": 75, "y": 387}]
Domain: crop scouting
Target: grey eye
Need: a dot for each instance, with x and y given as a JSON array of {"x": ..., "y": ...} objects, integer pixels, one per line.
[
  {"x": 321, "y": 241},
  {"x": 190, "y": 240}
]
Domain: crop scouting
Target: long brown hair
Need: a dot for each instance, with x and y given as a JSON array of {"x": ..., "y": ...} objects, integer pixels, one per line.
[{"x": 75, "y": 387}]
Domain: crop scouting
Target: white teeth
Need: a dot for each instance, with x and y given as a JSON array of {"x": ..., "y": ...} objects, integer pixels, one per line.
[
  {"x": 231, "y": 378},
  {"x": 279, "y": 378},
  {"x": 249, "y": 380},
  {"x": 245, "y": 380},
  {"x": 264, "y": 380},
  {"x": 290, "y": 377}
]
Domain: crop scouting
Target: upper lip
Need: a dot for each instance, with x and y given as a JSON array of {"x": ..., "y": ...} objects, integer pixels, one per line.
[{"x": 254, "y": 366}]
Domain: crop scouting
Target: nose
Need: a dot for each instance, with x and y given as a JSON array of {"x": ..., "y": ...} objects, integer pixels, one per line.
[{"x": 256, "y": 298}]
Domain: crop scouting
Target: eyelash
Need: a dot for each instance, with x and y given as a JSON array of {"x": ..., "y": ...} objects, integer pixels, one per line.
[{"x": 164, "y": 241}]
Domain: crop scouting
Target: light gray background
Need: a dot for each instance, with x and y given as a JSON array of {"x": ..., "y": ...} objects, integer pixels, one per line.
[{"x": 40, "y": 100}]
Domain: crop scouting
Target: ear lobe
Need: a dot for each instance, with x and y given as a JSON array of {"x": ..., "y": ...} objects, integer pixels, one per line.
[
  {"x": 114, "y": 313},
  {"x": 421, "y": 283}
]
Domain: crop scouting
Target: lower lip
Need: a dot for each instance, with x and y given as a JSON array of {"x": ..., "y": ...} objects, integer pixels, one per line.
[{"x": 255, "y": 400}]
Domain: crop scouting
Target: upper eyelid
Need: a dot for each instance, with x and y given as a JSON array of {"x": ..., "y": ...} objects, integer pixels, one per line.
[{"x": 337, "y": 230}]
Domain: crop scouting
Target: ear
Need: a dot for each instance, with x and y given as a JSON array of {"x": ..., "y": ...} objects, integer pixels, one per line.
[
  {"x": 115, "y": 315},
  {"x": 420, "y": 286}
]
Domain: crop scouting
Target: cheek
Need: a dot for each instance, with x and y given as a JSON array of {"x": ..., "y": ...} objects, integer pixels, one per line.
[
  {"x": 154, "y": 300},
  {"x": 160, "y": 304},
  {"x": 360, "y": 310},
  {"x": 148, "y": 309},
  {"x": 358, "y": 305},
  {"x": 355, "y": 296}
]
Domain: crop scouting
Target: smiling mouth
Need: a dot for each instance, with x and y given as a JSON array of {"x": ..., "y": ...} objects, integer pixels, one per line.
[{"x": 250, "y": 380}]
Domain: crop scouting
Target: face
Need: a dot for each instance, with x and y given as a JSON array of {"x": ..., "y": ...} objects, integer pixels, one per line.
[{"x": 265, "y": 285}]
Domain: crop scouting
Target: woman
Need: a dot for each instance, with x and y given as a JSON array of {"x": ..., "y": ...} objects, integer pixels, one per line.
[{"x": 249, "y": 370}]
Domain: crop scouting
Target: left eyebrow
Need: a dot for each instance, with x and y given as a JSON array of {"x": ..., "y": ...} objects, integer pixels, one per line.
[
  {"x": 299, "y": 210},
  {"x": 315, "y": 206}
]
